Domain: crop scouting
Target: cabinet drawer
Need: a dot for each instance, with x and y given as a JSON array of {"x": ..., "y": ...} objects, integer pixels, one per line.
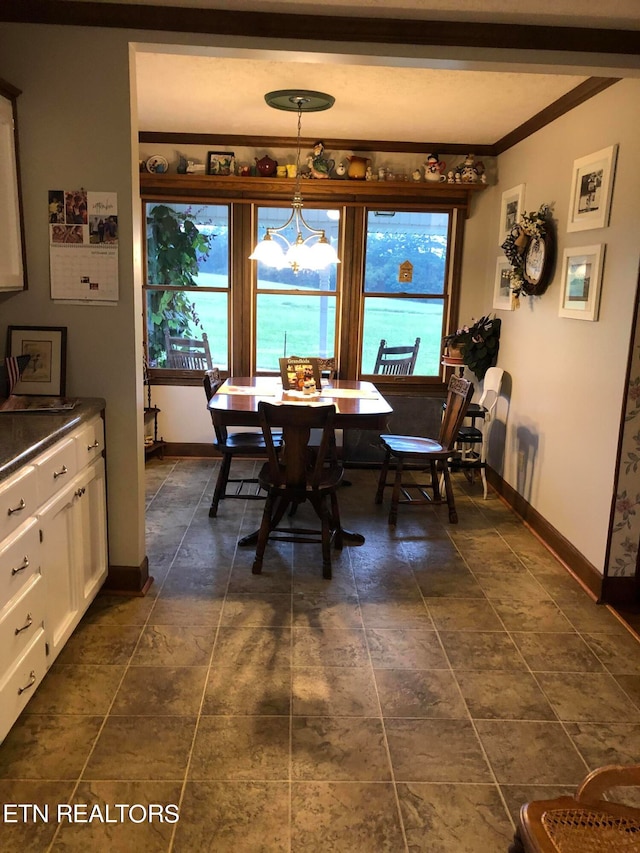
[
  {"x": 18, "y": 500},
  {"x": 19, "y": 560},
  {"x": 23, "y": 620},
  {"x": 90, "y": 442},
  {"x": 21, "y": 682},
  {"x": 55, "y": 469}
]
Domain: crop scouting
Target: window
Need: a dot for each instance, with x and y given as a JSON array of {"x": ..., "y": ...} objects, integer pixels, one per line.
[
  {"x": 296, "y": 312},
  {"x": 401, "y": 307},
  {"x": 397, "y": 279},
  {"x": 187, "y": 289}
]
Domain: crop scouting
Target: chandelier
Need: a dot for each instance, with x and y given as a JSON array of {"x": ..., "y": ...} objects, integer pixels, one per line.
[{"x": 311, "y": 249}]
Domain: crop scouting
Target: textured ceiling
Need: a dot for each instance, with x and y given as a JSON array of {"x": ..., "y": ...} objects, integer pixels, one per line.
[{"x": 204, "y": 94}]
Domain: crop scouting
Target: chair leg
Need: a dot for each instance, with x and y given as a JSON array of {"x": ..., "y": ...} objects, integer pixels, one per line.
[
  {"x": 221, "y": 484},
  {"x": 336, "y": 525},
  {"x": 326, "y": 541},
  {"x": 516, "y": 845},
  {"x": 453, "y": 515},
  {"x": 382, "y": 479},
  {"x": 395, "y": 494},
  {"x": 436, "y": 483},
  {"x": 266, "y": 525}
]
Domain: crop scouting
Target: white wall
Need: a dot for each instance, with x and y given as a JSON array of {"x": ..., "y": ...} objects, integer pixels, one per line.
[{"x": 566, "y": 378}]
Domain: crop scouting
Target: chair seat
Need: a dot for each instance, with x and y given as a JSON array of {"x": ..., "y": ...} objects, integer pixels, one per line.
[
  {"x": 470, "y": 434},
  {"x": 243, "y": 442},
  {"x": 330, "y": 480},
  {"x": 412, "y": 444}
]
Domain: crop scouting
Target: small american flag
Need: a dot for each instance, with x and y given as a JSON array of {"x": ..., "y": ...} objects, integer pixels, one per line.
[{"x": 15, "y": 364}]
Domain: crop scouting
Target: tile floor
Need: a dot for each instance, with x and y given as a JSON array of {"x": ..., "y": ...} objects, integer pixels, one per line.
[{"x": 442, "y": 677}]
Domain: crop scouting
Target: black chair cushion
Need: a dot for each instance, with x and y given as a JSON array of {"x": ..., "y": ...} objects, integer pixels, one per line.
[{"x": 470, "y": 434}]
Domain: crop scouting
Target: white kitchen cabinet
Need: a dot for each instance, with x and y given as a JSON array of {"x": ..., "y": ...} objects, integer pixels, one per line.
[{"x": 53, "y": 558}]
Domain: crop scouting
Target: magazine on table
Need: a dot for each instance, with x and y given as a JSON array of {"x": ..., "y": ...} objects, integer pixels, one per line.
[
  {"x": 19, "y": 403},
  {"x": 296, "y": 372}
]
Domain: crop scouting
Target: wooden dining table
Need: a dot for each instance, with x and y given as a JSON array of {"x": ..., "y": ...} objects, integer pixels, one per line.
[{"x": 359, "y": 405}]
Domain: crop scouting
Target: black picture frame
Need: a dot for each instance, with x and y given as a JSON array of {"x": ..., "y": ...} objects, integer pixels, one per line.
[
  {"x": 221, "y": 163},
  {"x": 46, "y": 371}
]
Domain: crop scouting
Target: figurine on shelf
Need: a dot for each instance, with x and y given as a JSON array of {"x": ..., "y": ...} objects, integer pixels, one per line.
[
  {"x": 319, "y": 166},
  {"x": 416, "y": 176},
  {"x": 341, "y": 170},
  {"x": 368, "y": 173},
  {"x": 470, "y": 172},
  {"x": 433, "y": 168},
  {"x": 450, "y": 178}
]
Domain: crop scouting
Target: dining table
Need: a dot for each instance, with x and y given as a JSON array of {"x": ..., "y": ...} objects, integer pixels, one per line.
[{"x": 359, "y": 405}]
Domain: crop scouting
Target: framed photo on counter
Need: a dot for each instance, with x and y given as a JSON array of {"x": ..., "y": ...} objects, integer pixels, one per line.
[{"x": 45, "y": 372}]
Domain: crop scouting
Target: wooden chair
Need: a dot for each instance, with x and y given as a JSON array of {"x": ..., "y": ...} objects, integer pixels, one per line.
[
  {"x": 409, "y": 451},
  {"x": 396, "y": 361},
  {"x": 187, "y": 353},
  {"x": 231, "y": 445},
  {"x": 299, "y": 474},
  {"x": 584, "y": 823}
]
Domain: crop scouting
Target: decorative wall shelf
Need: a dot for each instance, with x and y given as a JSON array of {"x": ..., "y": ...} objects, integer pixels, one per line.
[{"x": 342, "y": 191}]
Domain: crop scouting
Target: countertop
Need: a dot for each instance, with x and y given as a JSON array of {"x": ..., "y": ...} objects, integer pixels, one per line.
[{"x": 25, "y": 435}]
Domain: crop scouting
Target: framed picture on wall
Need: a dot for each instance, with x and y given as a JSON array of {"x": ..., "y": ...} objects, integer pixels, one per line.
[
  {"x": 591, "y": 190},
  {"x": 45, "y": 372},
  {"x": 511, "y": 207},
  {"x": 503, "y": 297},
  {"x": 581, "y": 278}
]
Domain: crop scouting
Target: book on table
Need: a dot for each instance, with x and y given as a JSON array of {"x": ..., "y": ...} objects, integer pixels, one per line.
[
  {"x": 295, "y": 372},
  {"x": 19, "y": 403}
]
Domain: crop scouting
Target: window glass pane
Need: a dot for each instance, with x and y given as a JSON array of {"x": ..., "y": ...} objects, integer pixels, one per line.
[
  {"x": 406, "y": 253},
  {"x": 194, "y": 312},
  {"x": 291, "y": 324},
  {"x": 396, "y": 237},
  {"x": 187, "y": 247},
  {"x": 399, "y": 322},
  {"x": 274, "y": 217}
]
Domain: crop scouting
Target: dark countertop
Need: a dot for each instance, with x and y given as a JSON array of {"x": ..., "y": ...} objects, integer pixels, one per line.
[{"x": 25, "y": 435}]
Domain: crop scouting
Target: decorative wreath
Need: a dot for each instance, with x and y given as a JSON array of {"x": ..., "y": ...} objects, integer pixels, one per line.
[{"x": 530, "y": 249}]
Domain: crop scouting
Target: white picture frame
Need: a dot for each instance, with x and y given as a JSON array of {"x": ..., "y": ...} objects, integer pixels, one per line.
[
  {"x": 581, "y": 282},
  {"x": 503, "y": 298},
  {"x": 591, "y": 190},
  {"x": 511, "y": 206}
]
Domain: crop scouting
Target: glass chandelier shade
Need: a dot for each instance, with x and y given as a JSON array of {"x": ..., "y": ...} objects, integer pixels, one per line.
[{"x": 311, "y": 250}]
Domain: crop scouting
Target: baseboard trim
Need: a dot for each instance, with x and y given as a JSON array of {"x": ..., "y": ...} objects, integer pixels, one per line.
[
  {"x": 190, "y": 449},
  {"x": 584, "y": 571},
  {"x": 128, "y": 580}
]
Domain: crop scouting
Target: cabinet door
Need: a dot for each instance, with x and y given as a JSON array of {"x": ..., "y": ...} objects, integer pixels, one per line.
[
  {"x": 60, "y": 561},
  {"x": 12, "y": 266},
  {"x": 92, "y": 525}
]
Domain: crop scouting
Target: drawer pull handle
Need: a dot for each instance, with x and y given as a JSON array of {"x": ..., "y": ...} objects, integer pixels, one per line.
[
  {"x": 26, "y": 625},
  {"x": 63, "y": 470},
  {"x": 96, "y": 443},
  {"x": 18, "y": 508},
  {"x": 80, "y": 492},
  {"x": 31, "y": 682},
  {"x": 25, "y": 565}
]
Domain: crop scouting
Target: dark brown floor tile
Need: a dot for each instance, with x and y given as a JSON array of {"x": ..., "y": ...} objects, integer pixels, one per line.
[
  {"x": 620, "y": 654},
  {"x": 399, "y": 648},
  {"x": 587, "y": 697},
  {"x": 334, "y": 691},
  {"x": 256, "y": 647},
  {"x": 257, "y": 610},
  {"x": 435, "y": 751},
  {"x": 100, "y": 644},
  {"x": 381, "y": 612},
  {"x": 136, "y": 827},
  {"x": 502, "y": 586},
  {"x": 160, "y": 690},
  {"x": 109, "y": 609},
  {"x": 241, "y": 749},
  {"x": 248, "y": 689},
  {"x": 537, "y": 616},
  {"x": 33, "y": 828},
  {"x": 443, "y": 582},
  {"x": 76, "y": 689},
  {"x": 419, "y": 693},
  {"x": 504, "y": 696},
  {"x": 460, "y": 614},
  {"x": 344, "y": 817},
  {"x": 481, "y": 650},
  {"x": 524, "y": 752},
  {"x": 230, "y": 817},
  {"x": 308, "y": 578},
  {"x": 606, "y": 743},
  {"x": 314, "y": 610},
  {"x": 187, "y": 610},
  {"x": 329, "y": 647},
  {"x": 454, "y": 818},
  {"x": 589, "y": 617},
  {"x": 142, "y": 748},
  {"x": 48, "y": 747},
  {"x": 631, "y": 686},
  {"x": 516, "y": 795},
  {"x": 174, "y": 645},
  {"x": 556, "y": 652},
  {"x": 349, "y": 749}
]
